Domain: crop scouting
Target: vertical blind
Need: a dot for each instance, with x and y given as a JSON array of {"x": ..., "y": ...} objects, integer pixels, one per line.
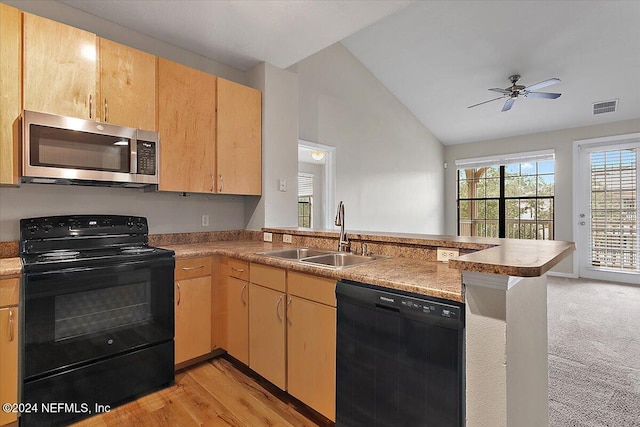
[{"x": 614, "y": 209}]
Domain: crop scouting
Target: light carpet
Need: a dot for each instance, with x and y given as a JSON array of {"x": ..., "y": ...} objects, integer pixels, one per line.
[{"x": 594, "y": 353}]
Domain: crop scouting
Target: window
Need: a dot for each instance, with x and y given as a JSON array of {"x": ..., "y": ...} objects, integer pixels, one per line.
[
  {"x": 305, "y": 199},
  {"x": 509, "y": 197}
]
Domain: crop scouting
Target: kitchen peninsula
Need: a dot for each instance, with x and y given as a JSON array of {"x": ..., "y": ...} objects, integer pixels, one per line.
[{"x": 502, "y": 283}]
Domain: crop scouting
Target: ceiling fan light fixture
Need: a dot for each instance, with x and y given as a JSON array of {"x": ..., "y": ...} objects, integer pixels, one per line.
[{"x": 318, "y": 155}]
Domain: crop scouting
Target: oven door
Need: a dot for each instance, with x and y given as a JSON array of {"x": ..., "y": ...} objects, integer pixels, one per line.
[{"x": 80, "y": 315}]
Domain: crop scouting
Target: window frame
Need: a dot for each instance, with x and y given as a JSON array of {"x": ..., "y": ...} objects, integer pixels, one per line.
[{"x": 502, "y": 198}]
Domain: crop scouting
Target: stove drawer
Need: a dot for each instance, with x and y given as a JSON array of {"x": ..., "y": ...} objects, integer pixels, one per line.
[{"x": 188, "y": 268}]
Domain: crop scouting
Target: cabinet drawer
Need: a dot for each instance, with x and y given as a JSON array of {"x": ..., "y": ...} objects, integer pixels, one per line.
[
  {"x": 9, "y": 291},
  {"x": 193, "y": 267},
  {"x": 270, "y": 277},
  {"x": 314, "y": 288},
  {"x": 237, "y": 268}
]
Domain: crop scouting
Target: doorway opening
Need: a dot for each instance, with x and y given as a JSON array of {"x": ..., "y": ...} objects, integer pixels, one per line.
[{"x": 316, "y": 184}]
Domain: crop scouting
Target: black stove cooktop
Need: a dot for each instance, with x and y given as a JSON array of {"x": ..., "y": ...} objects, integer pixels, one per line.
[{"x": 53, "y": 243}]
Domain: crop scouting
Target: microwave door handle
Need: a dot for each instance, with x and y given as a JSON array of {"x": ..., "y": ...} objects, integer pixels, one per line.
[{"x": 134, "y": 156}]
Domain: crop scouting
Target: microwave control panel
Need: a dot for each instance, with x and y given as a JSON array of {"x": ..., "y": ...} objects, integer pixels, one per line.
[{"x": 146, "y": 158}]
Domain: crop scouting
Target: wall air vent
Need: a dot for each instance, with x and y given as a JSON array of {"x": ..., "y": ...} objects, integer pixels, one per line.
[{"x": 605, "y": 107}]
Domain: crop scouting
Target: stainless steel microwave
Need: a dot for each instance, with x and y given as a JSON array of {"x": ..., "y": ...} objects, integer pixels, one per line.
[{"x": 67, "y": 150}]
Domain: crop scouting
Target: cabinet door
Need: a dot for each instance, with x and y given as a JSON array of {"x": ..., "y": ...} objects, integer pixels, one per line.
[
  {"x": 192, "y": 318},
  {"x": 238, "y": 319},
  {"x": 311, "y": 354},
  {"x": 10, "y": 91},
  {"x": 239, "y": 139},
  {"x": 186, "y": 122},
  {"x": 60, "y": 68},
  {"x": 9, "y": 357},
  {"x": 267, "y": 334},
  {"x": 127, "y": 86}
]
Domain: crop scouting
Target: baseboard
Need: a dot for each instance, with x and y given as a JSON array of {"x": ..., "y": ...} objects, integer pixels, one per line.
[{"x": 559, "y": 274}]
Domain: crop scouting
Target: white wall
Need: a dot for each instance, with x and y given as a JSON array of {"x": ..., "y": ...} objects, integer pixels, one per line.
[
  {"x": 166, "y": 212},
  {"x": 562, "y": 142},
  {"x": 389, "y": 166},
  {"x": 279, "y": 148},
  {"x": 318, "y": 171}
]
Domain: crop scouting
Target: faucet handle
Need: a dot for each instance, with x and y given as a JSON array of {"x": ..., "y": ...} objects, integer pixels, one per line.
[{"x": 365, "y": 250}]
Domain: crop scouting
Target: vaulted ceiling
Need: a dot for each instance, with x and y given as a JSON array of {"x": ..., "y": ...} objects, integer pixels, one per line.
[{"x": 436, "y": 57}]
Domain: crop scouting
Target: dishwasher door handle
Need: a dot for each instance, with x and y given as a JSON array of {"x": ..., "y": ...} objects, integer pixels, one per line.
[{"x": 388, "y": 307}]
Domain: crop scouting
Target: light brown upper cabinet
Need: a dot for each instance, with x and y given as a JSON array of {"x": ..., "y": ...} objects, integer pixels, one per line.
[
  {"x": 186, "y": 119},
  {"x": 71, "y": 72},
  {"x": 10, "y": 91},
  {"x": 239, "y": 139},
  {"x": 127, "y": 86}
]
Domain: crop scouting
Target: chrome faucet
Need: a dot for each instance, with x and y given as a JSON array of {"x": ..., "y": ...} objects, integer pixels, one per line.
[{"x": 343, "y": 244}]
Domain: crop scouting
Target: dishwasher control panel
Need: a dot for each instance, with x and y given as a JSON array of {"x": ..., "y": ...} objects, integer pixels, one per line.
[{"x": 430, "y": 308}]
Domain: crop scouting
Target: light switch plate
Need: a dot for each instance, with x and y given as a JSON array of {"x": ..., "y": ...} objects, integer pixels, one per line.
[
  {"x": 445, "y": 254},
  {"x": 205, "y": 220},
  {"x": 286, "y": 238},
  {"x": 267, "y": 237}
]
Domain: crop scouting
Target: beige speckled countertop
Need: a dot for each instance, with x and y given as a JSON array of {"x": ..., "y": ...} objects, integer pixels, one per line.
[
  {"x": 509, "y": 257},
  {"x": 10, "y": 267},
  {"x": 422, "y": 277}
]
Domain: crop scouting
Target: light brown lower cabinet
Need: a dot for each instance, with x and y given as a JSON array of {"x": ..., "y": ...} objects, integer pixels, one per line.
[
  {"x": 267, "y": 345},
  {"x": 192, "y": 308},
  {"x": 311, "y": 354},
  {"x": 9, "y": 316},
  {"x": 237, "y": 318}
]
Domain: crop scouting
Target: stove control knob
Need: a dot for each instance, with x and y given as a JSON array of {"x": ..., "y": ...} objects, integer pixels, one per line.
[
  {"x": 47, "y": 227},
  {"x": 140, "y": 224},
  {"x": 130, "y": 223},
  {"x": 32, "y": 228}
]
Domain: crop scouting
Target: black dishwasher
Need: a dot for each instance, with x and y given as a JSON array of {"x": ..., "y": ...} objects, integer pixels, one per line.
[{"x": 400, "y": 358}]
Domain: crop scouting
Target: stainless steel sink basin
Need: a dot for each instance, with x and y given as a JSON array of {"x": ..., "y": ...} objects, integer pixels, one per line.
[
  {"x": 342, "y": 260},
  {"x": 295, "y": 253}
]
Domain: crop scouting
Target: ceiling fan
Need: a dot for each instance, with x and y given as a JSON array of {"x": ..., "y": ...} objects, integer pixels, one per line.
[{"x": 515, "y": 90}]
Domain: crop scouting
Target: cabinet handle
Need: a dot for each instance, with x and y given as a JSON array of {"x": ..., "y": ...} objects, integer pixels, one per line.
[
  {"x": 90, "y": 106},
  {"x": 213, "y": 183},
  {"x": 221, "y": 183},
  {"x": 192, "y": 268},
  {"x": 287, "y": 312},
  {"x": 239, "y": 270},
  {"x": 106, "y": 111},
  {"x": 179, "y": 294},
  {"x": 244, "y": 301},
  {"x": 10, "y": 331},
  {"x": 278, "y": 307}
]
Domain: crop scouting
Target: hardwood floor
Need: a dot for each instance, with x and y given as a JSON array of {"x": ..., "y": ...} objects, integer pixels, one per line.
[{"x": 213, "y": 393}]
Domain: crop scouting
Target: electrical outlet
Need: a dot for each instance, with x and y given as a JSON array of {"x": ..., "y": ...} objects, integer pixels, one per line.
[
  {"x": 267, "y": 237},
  {"x": 286, "y": 238},
  {"x": 445, "y": 254},
  {"x": 282, "y": 184},
  {"x": 205, "y": 220}
]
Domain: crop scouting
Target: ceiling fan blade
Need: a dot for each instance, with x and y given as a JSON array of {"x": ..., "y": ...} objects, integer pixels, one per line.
[
  {"x": 540, "y": 85},
  {"x": 497, "y": 89},
  {"x": 543, "y": 95},
  {"x": 508, "y": 104},
  {"x": 494, "y": 99}
]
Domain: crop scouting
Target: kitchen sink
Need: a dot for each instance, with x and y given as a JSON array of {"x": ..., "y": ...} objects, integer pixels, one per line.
[
  {"x": 323, "y": 257},
  {"x": 296, "y": 253},
  {"x": 342, "y": 260}
]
